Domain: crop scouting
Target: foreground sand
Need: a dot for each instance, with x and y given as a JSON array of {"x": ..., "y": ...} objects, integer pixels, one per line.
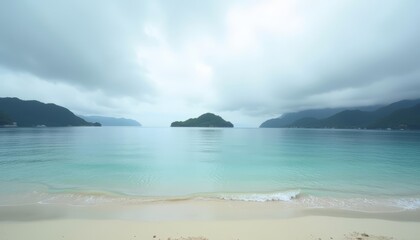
[{"x": 308, "y": 227}]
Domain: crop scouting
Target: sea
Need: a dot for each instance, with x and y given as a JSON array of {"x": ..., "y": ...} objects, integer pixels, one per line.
[{"x": 360, "y": 170}]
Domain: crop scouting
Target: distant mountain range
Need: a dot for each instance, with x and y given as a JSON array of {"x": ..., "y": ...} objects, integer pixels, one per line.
[
  {"x": 404, "y": 114},
  {"x": 34, "y": 113},
  {"x": 399, "y": 115},
  {"x": 205, "y": 120},
  {"x": 111, "y": 121},
  {"x": 288, "y": 118}
]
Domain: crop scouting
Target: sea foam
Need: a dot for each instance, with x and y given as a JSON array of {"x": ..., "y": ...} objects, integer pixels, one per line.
[
  {"x": 261, "y": 197},
  {"x": 408, "y": 203}
]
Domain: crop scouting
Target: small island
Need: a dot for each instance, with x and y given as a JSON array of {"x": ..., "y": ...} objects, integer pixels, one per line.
[{"x": 205, "y": 120}]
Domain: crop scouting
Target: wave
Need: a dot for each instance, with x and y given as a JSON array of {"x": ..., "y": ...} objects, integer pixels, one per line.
[
  {"x": 408, "y": 203},
  {"x": 105, "y": 198},
  {"x": 261, "y": 197},
  {"x": 291, "y": 198}
]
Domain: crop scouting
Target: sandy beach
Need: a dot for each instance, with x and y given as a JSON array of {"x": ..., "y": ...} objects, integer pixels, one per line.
[
  {"x": 311, "y": 227},
  {"x": 199, "y": 220}
]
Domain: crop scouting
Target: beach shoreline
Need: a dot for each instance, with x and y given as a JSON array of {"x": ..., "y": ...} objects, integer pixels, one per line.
[{"x": 192, "y": 210}]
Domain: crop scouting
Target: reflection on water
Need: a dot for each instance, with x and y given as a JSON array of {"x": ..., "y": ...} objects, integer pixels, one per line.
[{"x": 208, "y": 140}]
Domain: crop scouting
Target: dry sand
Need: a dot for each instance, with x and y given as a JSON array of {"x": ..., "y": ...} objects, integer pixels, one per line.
[
  {"x": 308, "y": 227},
  {"x": 200, "y": 220}
]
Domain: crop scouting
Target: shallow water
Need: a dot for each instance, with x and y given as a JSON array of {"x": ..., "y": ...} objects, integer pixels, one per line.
[{"x": 349, "y": 169}]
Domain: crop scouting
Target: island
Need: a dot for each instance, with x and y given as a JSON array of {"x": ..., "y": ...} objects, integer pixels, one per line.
[
  {"x": 205, "y": 120},
  {"x": 15, "y": 112}
]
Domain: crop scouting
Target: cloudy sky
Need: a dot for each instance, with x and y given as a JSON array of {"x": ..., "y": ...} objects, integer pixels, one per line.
[{"x": 160, "y": 61}]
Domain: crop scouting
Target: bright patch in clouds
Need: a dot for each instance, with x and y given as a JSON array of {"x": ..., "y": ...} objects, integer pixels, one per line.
[{"x": 247, "y": 24}]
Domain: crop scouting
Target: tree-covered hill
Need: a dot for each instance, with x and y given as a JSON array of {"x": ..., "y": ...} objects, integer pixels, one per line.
[
  {"x": 401, "y": 114},
  {"x": 34, "y": 113},
  {"x": 205, "y": 120}
]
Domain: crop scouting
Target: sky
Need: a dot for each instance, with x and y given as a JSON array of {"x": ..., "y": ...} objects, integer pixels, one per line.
[{"x": 159, "y": 61}]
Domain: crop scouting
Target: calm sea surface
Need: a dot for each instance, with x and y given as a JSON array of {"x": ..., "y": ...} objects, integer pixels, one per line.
[{"x": 352, "y": 169}]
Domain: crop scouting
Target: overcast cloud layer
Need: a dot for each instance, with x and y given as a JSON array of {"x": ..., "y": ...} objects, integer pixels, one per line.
[{"x": 160, "y": 61}]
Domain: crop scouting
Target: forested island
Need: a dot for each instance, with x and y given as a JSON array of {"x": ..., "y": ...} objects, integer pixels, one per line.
[
  {"x": 15, "y": 112},
  {"x": 205, "y": 120}
]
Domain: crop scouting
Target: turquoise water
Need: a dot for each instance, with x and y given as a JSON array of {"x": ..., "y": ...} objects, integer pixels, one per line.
[{"x": 316, "y": 168}]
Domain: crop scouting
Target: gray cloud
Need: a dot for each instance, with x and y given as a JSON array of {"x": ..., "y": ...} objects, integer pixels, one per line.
[
  {"x": 88, "y": 44},
  {"x": 351, "y": 46},
  {"x": 248, "y": 59}
]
